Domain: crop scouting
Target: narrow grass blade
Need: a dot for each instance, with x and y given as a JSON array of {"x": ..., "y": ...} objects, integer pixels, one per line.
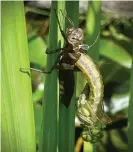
[
  {"x": 130, "y": 114},
  {"x": 67, "y": 115},
  {"x": 49, "y": 127},
  {"x": 18, "y": 128}
]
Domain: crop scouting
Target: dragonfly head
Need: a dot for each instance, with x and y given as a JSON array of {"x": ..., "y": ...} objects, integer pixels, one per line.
[
  {"x": 92, "y": 135},
  {"x": 86, "y": 136},
  {"x": 75, "y": 36}
]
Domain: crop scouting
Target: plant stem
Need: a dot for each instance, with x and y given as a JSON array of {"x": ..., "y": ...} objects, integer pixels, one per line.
[
  {"x": 67, "y": 115},
  {"x": 48, "y": 142},
  {"x": 130, "y": 114}
]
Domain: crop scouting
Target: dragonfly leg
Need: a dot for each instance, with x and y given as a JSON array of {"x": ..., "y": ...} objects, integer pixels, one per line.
[
  {"x": 53, "y": 51},
  {"x": 46, "y": 72}
]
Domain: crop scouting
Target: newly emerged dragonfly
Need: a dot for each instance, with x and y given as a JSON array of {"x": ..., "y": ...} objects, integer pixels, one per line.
[
  {"x": 93, "y": 119},
  {"x": 90, "y": 109},
  {"x": 90, "y": 104}
]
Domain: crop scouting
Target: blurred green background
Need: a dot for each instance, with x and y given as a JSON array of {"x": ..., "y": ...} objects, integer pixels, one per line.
[
  {"x": 115, "y": 63},
  {"x": 115, "y": 66}
]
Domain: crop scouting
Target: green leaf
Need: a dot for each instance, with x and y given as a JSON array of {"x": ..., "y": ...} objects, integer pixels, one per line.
[
  {"x": 48, "y": 141},
  {"x": 130, "y": 113},
  {"x": 38, "y": 120},
  {"x": 67, "y": 115},
  {"x": 37, "y": 48},
  {"x": 113, "y": 71},
  {"x": 38, "y": 94},
  {"x": 18, "y": 128},
  {"x": 116, "y": 53}
]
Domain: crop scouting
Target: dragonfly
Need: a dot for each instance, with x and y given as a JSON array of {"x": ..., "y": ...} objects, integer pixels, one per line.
[
  {"x": 93, "y": 119},
  {"x": 73, "y": 57}
]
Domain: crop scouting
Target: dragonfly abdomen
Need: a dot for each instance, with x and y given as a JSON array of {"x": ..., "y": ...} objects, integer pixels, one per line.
[{"x": 89, "y": 69}]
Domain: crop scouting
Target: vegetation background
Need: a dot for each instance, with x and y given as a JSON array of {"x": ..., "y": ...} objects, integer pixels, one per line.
[{"x": 37, "y": 121}]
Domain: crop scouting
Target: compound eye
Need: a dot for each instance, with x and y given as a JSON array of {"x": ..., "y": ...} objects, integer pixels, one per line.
[
  {"x": 95, "y": 131},
  {"x": 85, "y": 136},
  {"x": 80, "y": 30},
  {"x": 80, "y": 34},
  {"x": 69, "y": 31}
]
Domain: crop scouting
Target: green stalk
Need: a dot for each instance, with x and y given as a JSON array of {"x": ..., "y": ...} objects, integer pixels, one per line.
[
  {"x": 18, "y": 128},
  {"x": 48, "y": 141},
  {"x": 92, "y": 31},
  {"x": 130, "y": 114},
  {"x": 67, "y": 115},
  {"x": 62, "y": 110}
]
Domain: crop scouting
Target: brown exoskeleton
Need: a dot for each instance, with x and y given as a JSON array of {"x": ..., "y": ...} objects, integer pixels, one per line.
[
  {"x": 65, "y": 61},
  {"x": 73, "y": 44}
]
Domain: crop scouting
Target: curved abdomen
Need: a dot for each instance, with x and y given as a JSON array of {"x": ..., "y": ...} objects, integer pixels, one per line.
[{"x": 89, "y": 69}]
